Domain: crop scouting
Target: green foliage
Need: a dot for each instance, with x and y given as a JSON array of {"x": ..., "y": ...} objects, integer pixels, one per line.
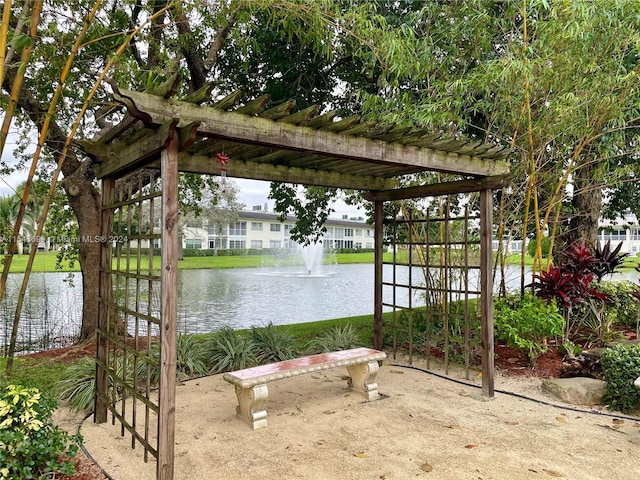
[
  {"x": 191, "y": 358},
  {"x": 31, "y": 445},
  {"x": 528, "y": 324},
  {"x": 340, "y": 337},
  {"x": 620, "y": 305},
  {"x": 78, "y": 385},
  {"x": 545, "y": 245},
  {"x": 599, "y": 322},
  {"x": 229, "y": 350},
  {"x": 273, "y": 344},
  {"x": 621, "y": 366},
  {"x": 570, "y": 350},
  {"x": 452, "y": 338}
]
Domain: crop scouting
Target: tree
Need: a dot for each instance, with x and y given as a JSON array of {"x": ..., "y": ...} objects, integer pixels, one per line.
[
  {"x": 288, "y": 48},
  {"x": 8, "y": 216},
  {"x": 549, "y": 78}
]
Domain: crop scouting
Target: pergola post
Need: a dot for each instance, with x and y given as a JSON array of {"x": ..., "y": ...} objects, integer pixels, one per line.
[
  {"x": 169, "y": 307},
  {"x": 105, "y": 292},
  {"x": 486, "y": 291},
  {"x": 378, "y": 257}
]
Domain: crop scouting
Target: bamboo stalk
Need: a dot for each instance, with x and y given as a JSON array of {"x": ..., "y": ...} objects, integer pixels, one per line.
[
  {"x": 4, "y": 31},
  {"x": 44, "y": 130},
  {"x": 65, "y": 149}
]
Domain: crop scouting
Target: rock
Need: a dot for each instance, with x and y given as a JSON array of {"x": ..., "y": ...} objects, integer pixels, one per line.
[{"x": 576, "y": 390}]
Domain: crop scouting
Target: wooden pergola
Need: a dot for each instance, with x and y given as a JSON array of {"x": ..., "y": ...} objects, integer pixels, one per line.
[{"x": 168, "y": 136}]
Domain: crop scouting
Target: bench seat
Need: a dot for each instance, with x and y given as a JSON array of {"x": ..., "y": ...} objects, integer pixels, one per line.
[{"x": 251, "y": 383}]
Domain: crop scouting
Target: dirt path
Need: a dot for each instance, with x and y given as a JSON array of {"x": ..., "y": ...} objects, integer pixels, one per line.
[{"x": 423, "y": 427}]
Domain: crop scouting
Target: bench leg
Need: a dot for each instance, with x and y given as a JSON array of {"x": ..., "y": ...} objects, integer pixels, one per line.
[
  {"x": 251, "y": 403},
  {"x": 363, "y": 379}
]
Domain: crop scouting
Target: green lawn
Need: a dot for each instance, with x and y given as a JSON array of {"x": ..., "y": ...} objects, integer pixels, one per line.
[{"x": 46, "y": 261}]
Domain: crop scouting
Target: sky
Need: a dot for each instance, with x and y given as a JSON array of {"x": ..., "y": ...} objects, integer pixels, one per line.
[
  {"x": 250, "y": 192},
  {"x": 255, "y": 192}
]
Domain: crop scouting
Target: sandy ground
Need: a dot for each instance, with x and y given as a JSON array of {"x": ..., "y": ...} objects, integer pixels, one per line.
[{"x": 423, "y": 426}]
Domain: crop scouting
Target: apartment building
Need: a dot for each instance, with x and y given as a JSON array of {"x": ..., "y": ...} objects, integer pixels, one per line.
[
  {"x": 624, "y": 230},
  {"x": 257, "y": 230}
]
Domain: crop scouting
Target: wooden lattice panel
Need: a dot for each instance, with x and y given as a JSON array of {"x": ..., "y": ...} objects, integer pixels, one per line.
[
  {"x": 128, "y": 347},
  {"x": 432, "y": 284}
]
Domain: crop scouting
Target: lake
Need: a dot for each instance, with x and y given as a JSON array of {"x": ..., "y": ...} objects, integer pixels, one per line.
[{"x": 211, "y": 298}]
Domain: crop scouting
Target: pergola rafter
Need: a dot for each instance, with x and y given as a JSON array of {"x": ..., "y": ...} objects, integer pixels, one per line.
[{"x": 272, "y": 144}]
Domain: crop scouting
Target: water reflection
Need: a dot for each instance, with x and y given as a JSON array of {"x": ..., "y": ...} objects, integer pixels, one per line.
[{"x": 209, "y": 299}]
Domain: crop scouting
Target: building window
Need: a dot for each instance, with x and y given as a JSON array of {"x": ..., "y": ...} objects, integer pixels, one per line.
[
  {"x": 238, "y": 229},
  {"x": 217, "y": 243},
  {"x": 358, "y": 232},
  {"x": 256, "y": 226},
  {"x": 635, "y": 234},
  {"x": 256, "y": 244},
  {"x": 616, "y": 235},
  {"x": 193, "y": 243},
  {"x": 237, "y": 244},
  {"x": 287, "y": 229},
  {"x": 348, "y": 232},
  {"x": 274, "y": 227},
  {"x": 275, "y": 244}
]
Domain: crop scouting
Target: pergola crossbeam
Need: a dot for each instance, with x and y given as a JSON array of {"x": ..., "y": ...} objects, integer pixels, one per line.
[
  {"x": 438, "y": 189},
  {"x": 260, "y": 131}
]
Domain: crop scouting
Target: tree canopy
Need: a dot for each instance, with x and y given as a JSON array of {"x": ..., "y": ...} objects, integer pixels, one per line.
[{"x": 557, "y": 81}]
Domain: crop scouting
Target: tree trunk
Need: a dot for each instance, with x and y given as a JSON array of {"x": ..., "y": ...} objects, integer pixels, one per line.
[
  {"x": 586, "y": 206},
  {"x": 84, "y": 199}
]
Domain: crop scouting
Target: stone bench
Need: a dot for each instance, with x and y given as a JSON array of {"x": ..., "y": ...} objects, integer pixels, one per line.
[{"x": 251, "y": 383}]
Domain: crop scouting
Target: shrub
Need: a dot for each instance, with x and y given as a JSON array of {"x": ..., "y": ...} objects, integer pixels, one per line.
[
  {"x": 621, "y": 366},
  {"x": 273, "y": 344},
  {"x": 78, "y": 385},
  {"x": 621, "y": 304},
  {"x": 31, "y": 446},
  {"x": 337, "y": 338},
  {"x": 228, "y": 350},
  {"x": 528, "y": 325},
  {"x": 545, "y": 244}
]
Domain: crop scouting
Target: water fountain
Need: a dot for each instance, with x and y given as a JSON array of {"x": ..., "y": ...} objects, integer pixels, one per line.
[
  {"x": 313, "y": 256},
  {"x": 305, "y": 261}
]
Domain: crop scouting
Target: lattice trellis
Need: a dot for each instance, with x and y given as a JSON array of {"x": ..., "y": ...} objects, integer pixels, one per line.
[
  {"x": 432, "y": 284},
  {"x": 130, "y": 307},
  {"x": 272, "y": 144}
]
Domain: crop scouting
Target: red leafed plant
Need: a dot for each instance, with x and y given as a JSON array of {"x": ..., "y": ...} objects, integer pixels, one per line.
[{"x": 571, "y": 283}]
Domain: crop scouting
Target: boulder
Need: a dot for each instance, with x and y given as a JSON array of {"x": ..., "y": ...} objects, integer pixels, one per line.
[{"x": 576, "y": 390}]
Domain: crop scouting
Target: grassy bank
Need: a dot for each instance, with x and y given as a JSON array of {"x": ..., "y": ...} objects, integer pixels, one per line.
[
  {"x": 46, "y": 262},
  {"x": 44, "y": 372}
]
